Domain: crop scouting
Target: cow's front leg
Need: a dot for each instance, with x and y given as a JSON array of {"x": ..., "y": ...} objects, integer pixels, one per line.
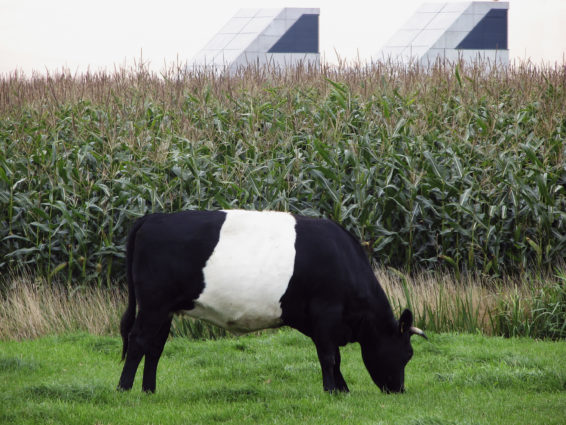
[
  {"x": 327, "y": 359},
  {"x": 326, "y": 325},
  {"x": 340, "y": 382}
]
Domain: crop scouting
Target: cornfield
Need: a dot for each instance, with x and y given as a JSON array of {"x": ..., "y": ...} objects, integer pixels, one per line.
[{"x": 455, "y": 167}]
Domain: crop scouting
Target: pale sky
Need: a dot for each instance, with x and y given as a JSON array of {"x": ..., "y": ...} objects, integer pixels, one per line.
[{"x": 48, "y": 35}]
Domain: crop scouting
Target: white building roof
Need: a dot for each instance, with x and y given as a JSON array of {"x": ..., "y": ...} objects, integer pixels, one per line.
[
  {"x": 282, "y": 36},
  {"x": 467, "y": 30}
]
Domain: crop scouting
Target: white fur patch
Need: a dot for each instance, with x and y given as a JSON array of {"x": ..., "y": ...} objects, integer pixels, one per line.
[{"x": 248, "y": 271}]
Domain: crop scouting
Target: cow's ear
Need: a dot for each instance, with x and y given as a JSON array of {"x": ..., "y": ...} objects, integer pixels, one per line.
[{"x": 405, "y": 321}]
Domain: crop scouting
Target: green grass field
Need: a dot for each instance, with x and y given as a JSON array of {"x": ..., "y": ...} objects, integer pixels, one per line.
[{"x": 275, "y": 378}]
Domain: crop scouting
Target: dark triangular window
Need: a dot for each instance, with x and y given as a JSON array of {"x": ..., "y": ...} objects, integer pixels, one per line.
[
  {"x": 302, "y": 37},
  {"x": 489, "y": 34}
]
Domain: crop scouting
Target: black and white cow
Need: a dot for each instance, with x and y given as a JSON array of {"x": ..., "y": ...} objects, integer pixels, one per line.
[{"x": 250, "y": 270}]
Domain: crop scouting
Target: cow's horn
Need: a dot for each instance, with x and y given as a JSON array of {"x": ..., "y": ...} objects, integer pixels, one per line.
[{"x": 416, "y": 331}]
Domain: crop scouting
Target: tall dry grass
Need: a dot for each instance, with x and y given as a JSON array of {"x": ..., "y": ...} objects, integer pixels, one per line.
[
  {"x": 29, "y": 308},
  {"x": 441, "y": 302},
  {"x": 526, "y": 306},
  {"x": 444, "y": 302}
]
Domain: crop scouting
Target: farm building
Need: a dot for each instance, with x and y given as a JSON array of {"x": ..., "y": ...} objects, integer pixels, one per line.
[
  {"x": 273, "y": 37},
  {"x": 472, "y": 30}
]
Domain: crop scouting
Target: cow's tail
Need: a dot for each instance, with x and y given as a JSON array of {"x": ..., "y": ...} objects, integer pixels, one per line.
[{"x": 129, "y": 315}]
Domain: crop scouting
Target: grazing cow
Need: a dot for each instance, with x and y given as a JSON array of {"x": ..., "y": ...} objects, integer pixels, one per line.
[{"x": 250, "y": 270}]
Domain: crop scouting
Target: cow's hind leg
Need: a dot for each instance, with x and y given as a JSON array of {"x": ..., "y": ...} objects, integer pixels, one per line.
[
  {"x": 144, "y": 331},
  {"x": 133, "y": 359},
  {"x": 152, "y": 356}
]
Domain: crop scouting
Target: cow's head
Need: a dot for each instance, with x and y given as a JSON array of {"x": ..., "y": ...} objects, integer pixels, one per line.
[{"x": 386, "y": 352}]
